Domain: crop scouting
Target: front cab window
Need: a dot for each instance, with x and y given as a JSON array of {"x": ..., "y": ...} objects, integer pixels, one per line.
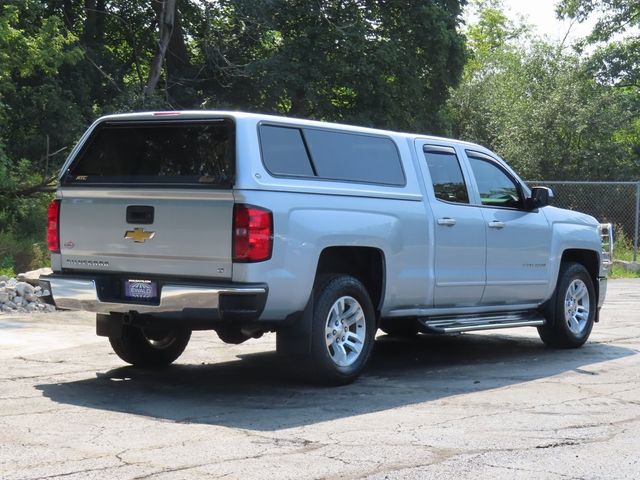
[{"x": 496, "y": 187}]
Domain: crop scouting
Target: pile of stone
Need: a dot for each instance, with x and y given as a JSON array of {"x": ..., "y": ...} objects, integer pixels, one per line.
[{"x": 22, "y": 295}]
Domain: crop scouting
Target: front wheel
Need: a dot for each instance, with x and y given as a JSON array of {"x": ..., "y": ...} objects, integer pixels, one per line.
[
  {"x": 149, "y": 348},
  {"x": 343, "y": 330},
  {"x": 571, "y": 312}
]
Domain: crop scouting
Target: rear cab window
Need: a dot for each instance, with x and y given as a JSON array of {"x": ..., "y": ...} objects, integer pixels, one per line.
[{"x": 157, "y": 152}]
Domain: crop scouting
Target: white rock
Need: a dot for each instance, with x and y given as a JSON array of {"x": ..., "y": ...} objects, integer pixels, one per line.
[
  {"x": 22, "y": 296},
  {"x": 34, "y": 275},
  {"x": 22, "y": 288}
]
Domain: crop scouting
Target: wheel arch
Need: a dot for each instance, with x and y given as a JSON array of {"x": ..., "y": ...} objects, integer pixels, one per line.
[
  {"x": 367, "y": 264},
  {"x": 589, "y": 259}
]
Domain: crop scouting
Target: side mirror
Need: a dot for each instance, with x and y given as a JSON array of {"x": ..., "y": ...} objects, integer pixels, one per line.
[{"x": 540, "y": 197}]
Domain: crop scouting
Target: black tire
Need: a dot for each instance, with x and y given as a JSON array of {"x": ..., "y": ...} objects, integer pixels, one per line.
[
  {"x": 400, "y": 327},
  {"x": 340, "y": 291},
  {"x": 150, "y": 349},
  {"x": 570, "y": 326}
]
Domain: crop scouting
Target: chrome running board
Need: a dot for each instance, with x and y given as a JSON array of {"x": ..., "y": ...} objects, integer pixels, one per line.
[{"x": 470, "y": 323}]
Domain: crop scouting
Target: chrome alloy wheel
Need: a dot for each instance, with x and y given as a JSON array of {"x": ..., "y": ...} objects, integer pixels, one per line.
[
  {"x": 345, "y": 331},
  {"x": 576, "y": 306}
]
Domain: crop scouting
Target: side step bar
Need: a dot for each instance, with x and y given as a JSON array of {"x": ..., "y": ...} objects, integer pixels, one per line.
[{"x": 470, "y": 323}]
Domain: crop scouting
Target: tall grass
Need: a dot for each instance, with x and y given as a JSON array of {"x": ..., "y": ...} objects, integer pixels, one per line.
[
  {"x": 622, "y": 245},
  {"x": 622, "y": 250}
]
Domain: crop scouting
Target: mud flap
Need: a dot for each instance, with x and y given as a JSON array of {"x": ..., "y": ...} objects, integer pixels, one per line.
[
  {"x": 294, "y": 336},
  {"x": 109, "y": 325}
]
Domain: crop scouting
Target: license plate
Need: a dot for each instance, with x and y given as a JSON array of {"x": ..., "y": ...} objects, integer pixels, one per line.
[{"x": 140, "y": 289}]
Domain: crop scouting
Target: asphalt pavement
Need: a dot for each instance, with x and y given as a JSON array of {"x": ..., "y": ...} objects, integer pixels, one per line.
[{"x": 482, "y": 405}]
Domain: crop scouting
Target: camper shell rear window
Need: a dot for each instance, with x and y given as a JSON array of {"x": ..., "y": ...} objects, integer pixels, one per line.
[{"x": 157, "y": 152}]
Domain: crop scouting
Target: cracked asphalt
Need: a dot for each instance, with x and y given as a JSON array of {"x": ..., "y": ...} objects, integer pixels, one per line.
[{"x": 489, "y": 405}]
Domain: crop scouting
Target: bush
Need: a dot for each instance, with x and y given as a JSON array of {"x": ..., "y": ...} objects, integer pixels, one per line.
[
  {"x": 21, "y": 255},
  {"x": 622, "y": 245},
  {"x": 22, "y": 233}
]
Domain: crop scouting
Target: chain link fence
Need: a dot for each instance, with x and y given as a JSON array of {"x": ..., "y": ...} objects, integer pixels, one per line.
[{"x": 614, "y": 202}]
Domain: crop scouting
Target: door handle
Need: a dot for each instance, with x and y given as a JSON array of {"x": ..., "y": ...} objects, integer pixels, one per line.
[
  {"x": 449, "y": 222},
  {"x": 496, "y": 224}
]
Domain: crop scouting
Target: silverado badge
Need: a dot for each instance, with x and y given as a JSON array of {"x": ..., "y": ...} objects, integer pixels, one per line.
[{"x": 139, "y": 235}]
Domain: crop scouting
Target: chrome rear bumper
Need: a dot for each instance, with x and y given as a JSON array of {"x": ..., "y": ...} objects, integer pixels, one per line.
[{"x": 82, "y": 293}]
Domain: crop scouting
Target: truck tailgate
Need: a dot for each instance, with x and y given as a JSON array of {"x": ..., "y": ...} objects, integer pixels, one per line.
[{"x": 180, "y": 232}]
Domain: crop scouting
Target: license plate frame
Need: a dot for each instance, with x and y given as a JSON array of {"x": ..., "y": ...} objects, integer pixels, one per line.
[{"x": 141, "y": 289}]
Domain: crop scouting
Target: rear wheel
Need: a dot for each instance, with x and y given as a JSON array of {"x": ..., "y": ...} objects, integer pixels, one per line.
[
  {"x": 149, "y": 347},
  {"x": 343, "y": 330},
  {"x": 571, "y": 312}
]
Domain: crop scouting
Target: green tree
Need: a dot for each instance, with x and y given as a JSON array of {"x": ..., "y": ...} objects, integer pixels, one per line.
[
  {"x": 33, "y": 50},
  {"x": 617, "y": 58},
  {"x": 540, "y": 108},
  {"x": 382, "y": 63}
]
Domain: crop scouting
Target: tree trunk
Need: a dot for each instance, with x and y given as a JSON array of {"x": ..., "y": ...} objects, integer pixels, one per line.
[
  {"x": 93, "y": 35},
  {"x": 177, "y": 54},
  {"x": 166, "y": 20},
  {"x": 69, "y": 14},
  {"x": 90, "y": 22}
]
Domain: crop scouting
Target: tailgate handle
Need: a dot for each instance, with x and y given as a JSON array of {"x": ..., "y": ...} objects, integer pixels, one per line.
[{"x": 140, "y": 214}]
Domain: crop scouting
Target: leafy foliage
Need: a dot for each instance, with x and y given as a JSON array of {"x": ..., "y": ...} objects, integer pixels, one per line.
[
  {"x": 616, "y": 61},
  {"x": 380, "y": 63},
  {"x": 540, "y": 107}
]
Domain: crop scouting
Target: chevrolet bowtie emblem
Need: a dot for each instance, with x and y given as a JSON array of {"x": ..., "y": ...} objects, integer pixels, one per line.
[{"x": 139, "y": 235}]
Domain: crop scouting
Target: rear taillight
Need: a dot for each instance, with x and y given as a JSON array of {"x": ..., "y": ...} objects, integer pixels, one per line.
[
  {"x": 252, "y": 233},
  {"x": 53, "y": 226}
]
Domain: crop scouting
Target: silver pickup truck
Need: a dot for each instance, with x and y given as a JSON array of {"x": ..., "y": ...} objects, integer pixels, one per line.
[{"x": 169, "y": 222}]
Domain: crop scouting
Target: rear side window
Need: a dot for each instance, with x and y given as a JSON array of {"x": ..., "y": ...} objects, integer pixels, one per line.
[
  {"x": 330, "y": 155},
  {"x": 284, "y": 152},
  {"x": 157, "y": 152},
  {"x": 357, "y": 158},
  {"x": 446, "y": 175}
]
